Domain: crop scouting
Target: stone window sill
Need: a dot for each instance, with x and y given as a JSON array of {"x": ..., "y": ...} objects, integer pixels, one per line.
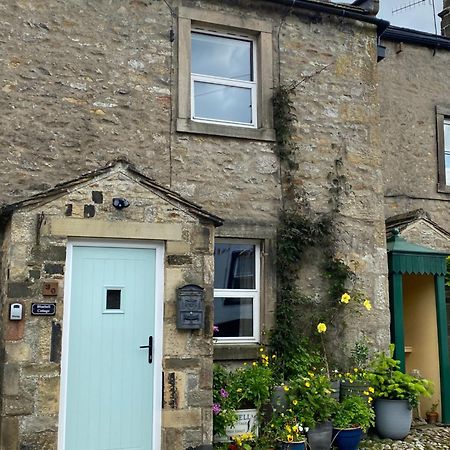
[
  {"x": 443, "y": 188},
  {"x": 259, "y": 134},
  {"x": 227, "y": 352}
]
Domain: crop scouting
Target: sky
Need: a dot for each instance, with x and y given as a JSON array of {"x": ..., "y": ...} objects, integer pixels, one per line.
[{"x": 417, "y": 16}]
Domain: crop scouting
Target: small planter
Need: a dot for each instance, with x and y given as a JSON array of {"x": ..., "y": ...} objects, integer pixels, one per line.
[
  {"x": 356, "y": 388},
  {"x": 247, "y": 421},
  {"x": 392, "y": 418},
  {"x": 292, "y": 445},
  {"x": 319, "y": 437},
  {"x": 347, "y": 438},
  {"x": 432, "y": 417}
]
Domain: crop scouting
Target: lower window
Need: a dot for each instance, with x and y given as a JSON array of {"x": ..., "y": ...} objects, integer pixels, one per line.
[{"x": 236, "y": 291}]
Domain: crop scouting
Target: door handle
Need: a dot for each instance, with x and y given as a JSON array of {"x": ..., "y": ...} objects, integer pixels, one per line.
[{"x": 150, "y": 349}]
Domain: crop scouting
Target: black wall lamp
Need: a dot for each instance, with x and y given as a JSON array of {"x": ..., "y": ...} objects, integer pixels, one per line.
[{"x": 120, "y": 203}]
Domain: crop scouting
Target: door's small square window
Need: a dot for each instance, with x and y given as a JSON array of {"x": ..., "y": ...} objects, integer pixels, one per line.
[{"x": 113, "y": 299}]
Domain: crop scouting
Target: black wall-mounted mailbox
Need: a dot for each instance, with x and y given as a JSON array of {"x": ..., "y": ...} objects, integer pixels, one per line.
[{"x": 190, "y": 307}]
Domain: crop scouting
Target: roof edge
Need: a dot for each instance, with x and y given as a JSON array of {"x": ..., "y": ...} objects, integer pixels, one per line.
[{"x": 422, "y": 38}]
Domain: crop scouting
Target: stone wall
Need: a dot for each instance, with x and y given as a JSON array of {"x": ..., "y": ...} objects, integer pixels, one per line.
[
  {"x": 413, "y": 80},
  {"x": 35, "y": 253},
  {"x": 83, "y": 82}
]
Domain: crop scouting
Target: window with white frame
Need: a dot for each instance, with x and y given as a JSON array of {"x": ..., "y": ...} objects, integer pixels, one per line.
[
  {"x": 443, "y": 146},
  {"x": 223, "y": 79},
  {"x": 236, "y": 291},
  {"x": 225, "y": 74},
  {"x": 447, "y": 150}
]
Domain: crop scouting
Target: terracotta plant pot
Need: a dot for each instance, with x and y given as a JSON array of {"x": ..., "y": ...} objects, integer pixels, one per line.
[{"x": 432, "y": 417}]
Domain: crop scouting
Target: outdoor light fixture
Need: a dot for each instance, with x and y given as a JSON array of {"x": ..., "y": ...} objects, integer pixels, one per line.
[{"x": 120, "y": 203}]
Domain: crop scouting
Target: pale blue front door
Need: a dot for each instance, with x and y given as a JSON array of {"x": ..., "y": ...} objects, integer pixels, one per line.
[{"x": 110, "y": 379}]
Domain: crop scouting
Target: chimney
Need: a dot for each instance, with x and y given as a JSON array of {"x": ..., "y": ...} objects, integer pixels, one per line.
[{"x": 445, "y": 19}]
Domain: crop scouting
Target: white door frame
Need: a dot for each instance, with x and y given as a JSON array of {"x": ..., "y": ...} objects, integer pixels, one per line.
[{"x": 157, "y": 343}]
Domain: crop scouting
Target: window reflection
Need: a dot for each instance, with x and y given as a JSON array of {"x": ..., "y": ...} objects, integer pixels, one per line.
[
  {"x": 233, "y": 316},
  {"x": 222, "y": 57},
  {"x": 234, "y": 266},
  {"x": 215, "y": 101}
]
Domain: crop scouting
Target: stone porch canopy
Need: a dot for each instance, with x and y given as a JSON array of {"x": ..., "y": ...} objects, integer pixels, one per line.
[
  {"x": 37, "y": 237},
  {"x": 118, "y": 165}
]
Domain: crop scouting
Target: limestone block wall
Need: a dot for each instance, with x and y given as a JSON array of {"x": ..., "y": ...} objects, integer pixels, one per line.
[
  {"x": 34, "y": 252},
  {"x": 97, "y": 79},
  {"x": 336, "y": 101},
  {"x": 413, "y": 80}
]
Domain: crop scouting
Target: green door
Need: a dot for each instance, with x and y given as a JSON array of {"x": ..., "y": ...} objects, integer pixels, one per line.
[{"x": 110, "y": 379}]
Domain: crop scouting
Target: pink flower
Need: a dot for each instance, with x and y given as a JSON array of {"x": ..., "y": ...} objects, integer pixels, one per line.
[
  {"x": 224, "y": 393},
  {"x": 216, "y": 409},
  {"x": 215, "y": 329}
]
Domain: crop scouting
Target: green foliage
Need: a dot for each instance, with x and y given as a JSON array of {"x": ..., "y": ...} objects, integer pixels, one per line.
[
  {"x": 360, "y": 355},
  {"x": 224, "y": 410},
  {"x": 285, "y": 119},
  {"x": 300, "y": 230},
  {"x": 354, "y": 411},
  {"x": 313, "y": 394},
  {"x": 249, "y": 386},
  {"x": 391, "y": 383}
]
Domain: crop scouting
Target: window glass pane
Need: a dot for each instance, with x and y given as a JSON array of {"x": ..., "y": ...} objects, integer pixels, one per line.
[
  {"x": 113, "y": 298},
  {"x": 218, "y": 102},
  {"x": 234, "y": 266},
  {"x": 233, "y": 316},
  {"x": 447, "y": 169},
  {"x": 222, "y": 57},
  {"x": 447, "y": 135}
]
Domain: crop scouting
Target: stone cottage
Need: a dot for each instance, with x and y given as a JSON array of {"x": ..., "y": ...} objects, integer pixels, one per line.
[{"x": 141, "y": 196}]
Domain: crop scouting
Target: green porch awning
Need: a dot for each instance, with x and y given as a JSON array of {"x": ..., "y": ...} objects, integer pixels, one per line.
[{"x": 407, "y": 258}]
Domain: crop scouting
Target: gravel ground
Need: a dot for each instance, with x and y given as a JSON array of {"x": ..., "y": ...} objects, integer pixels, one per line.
[{"x": 420, "y": 438}]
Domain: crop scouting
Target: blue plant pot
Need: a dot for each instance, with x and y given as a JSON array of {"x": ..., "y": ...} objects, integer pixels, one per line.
[
  {"x": 292, "y": 446},
  {"x": 347, "y": 439}
]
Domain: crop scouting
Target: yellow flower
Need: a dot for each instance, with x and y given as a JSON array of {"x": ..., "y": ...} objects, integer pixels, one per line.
[
  {"x": 370, "y": 399},
  {"x": 367, "y": 304},
  {"x": 355, "y": 369},
  {"x": 295, "y": 402},
  {"x": 255, "y": 364},
  {"x": 261, "y": 349},
  {"x": 274, "y": 356},
  {"x": 295, "y": 427},
  {"x": 308, "y": 384},
  {"x": 345, "y": 298},
  {"x": 239, "y": 390},
  {"x": 286, "y": 388},
  {"x": 371, "y": 389},
  {"x": 290, "y": 438},
  {"x": 288, "y": 428},
  {"x": 366, "y": 393},
  {"x": 321, "y": 327}
]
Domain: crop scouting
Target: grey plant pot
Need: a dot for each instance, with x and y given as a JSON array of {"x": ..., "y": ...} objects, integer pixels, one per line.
[
  {"x": 392, "y": 418},
  {"x": 319, "y": 437}
]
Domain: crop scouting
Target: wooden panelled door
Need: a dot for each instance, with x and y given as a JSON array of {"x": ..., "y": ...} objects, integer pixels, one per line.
[{"x": 109, "y": 378}]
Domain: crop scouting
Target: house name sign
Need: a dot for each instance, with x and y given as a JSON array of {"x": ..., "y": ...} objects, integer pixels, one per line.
[{"x": 43, "y": 309}]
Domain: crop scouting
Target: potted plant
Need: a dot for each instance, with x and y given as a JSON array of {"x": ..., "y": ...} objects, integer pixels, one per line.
[
  {"x": 243, "y": 441},
  {"x": 286, "y": 429},
  {"x": 352, "y": 416},
  {"x": 239, "y": 398},
  {"x": 395, "y": 394},
  {"x": 311, "y": 397},
  {"x": 432, "y": 414}
]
